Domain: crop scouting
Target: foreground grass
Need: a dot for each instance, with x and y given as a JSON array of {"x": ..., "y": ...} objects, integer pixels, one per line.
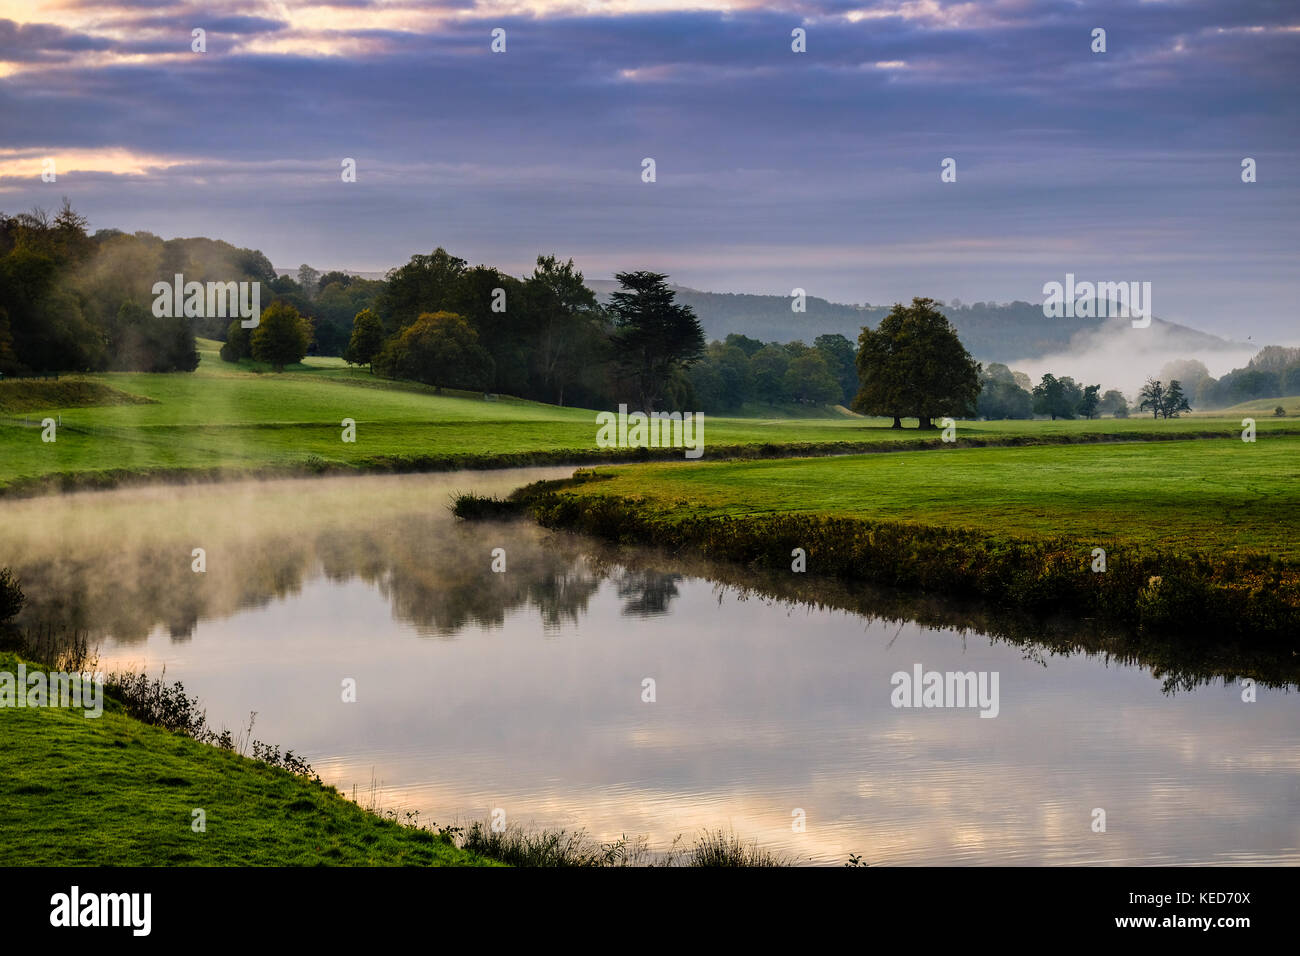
[
  {"x": 114, "y": 791},
  {"x": 229, "y": 420}
]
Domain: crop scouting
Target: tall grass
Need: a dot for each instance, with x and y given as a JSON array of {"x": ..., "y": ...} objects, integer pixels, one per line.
[{"x": 519, "y": 846}]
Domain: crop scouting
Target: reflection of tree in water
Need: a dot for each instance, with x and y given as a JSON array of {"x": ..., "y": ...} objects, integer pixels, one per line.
[
  {"x": 439, "y": 577},
  {"x": 646, "y": 593},
  {"x": 436, "y": 574}
]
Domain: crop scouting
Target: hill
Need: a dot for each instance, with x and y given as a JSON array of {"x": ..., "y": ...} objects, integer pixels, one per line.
[{"x": 992, "y": 332}]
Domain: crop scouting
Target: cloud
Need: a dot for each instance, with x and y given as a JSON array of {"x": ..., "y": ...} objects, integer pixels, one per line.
[{"x": 828, "y": 157}]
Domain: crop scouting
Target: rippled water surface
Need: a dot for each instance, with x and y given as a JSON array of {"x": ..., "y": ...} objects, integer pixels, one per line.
[{"x": 523, "y": 690}]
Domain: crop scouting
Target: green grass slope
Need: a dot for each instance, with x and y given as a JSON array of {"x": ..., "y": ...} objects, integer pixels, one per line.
[
  {"x": 228, "y": 419},
  {"x": 112, "y": 791}
]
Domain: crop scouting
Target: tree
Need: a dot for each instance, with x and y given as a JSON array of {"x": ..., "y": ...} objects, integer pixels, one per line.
[
  {"x": 743, "y": 342},
  {"x": 569, "y": 324},
  {"x": 722, "y": 379},
  {"x": 769, "y": 365},
  {"x": 1057, "y": 397},
  {"x": 1152, "y": 397},
  {"x": 309, "y": 279},
  {"x": 1089, "y": 402},
  {"x": 653, "y": 336},
  {"x": 281, "y": 337},
  {"x": 138, "y": 340},
  {"x": 914, "y": 363},
  {"x": 1113, "y": 403},
  {"x": 426, "y": 284},
  {"x": 1190, "y": 372},
  {"x": 1174, "y": 401},
  {"x": 366, "y": 341},
  {"x": 839, "y": 355},
  {"x": 1001, "y": 397},
  {"x": 440, "y": 349},
  {"x": 330, "y": 278},
  {"x": 809, "y": 380},
  {"x": 237, "y": 345}
]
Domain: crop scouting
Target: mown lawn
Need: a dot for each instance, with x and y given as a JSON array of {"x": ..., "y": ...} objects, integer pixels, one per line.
[
  {"x": 237, "y": 418},
  {"x": 80, "y": 791},
  {"x": 1210, "y": 495}
]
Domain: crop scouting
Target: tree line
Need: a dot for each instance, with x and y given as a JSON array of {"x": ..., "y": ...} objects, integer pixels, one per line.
[{"x": 71, "y": 301}]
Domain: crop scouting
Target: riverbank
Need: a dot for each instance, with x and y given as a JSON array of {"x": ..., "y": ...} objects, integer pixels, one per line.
[
  {"x": 1197, "y": 536},
  {"x": 115, "y": 791}
]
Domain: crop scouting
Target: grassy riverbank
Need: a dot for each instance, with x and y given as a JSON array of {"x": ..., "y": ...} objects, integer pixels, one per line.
[
  {"x": 1198, "y": 534},
  {"x": 226, "y": 421},
  {"x": 114, "y": 791}
]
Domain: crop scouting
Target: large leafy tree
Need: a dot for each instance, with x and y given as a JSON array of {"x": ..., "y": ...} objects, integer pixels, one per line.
[
  {"x": 281, "y": 337},
  {"x": 913, "y": 363},
  {"x": 654, "y": 338},
  {"x": 1057, "y": 397},
  {"x": 438, "y": 348}
]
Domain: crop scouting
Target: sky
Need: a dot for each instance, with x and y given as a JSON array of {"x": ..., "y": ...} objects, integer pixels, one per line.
[{"x": 773, "y": 169}]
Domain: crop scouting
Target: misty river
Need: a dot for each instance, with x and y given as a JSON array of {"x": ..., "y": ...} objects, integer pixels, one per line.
[{"x": 775, "y": 710}]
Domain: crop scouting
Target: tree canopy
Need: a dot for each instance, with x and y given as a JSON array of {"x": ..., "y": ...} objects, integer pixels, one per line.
[{"x": 913, "y": 364}]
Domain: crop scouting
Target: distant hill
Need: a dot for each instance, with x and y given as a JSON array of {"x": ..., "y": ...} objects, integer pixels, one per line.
[{"x": 992, "y": 332}]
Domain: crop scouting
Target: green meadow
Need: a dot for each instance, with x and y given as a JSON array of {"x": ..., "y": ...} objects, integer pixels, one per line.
[
  {"x": 1220, "y": 495},
  {"x": 245, "y": 419}
]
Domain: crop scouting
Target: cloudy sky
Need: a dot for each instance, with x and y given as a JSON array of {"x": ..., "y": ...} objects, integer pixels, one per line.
[{"x": 775, "y": 169}]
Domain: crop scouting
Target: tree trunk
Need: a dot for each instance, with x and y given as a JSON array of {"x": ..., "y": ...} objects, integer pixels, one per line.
[{"x": 898, "y": 422}]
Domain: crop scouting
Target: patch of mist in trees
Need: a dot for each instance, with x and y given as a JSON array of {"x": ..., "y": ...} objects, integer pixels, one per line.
[{"x": 1121, "y": 357}]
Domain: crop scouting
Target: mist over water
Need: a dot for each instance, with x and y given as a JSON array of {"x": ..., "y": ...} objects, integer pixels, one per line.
[{"x": 523, "y": 690}]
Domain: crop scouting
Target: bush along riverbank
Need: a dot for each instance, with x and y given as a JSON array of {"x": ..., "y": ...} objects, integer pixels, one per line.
[{"x": 1241, "y": 595}]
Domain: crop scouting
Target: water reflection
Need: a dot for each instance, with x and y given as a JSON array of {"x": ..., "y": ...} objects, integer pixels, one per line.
[{"x": 522, "y": 689}]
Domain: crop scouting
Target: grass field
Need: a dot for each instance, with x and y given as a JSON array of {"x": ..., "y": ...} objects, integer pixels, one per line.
[
  {"x": 243, "y": 419},
  {"x": 1221, "y": 495},
  {"x": 112, "y": 791}
]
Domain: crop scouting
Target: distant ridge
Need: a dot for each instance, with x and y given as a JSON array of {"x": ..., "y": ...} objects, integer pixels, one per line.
[{"x": 992, "y": 332}]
